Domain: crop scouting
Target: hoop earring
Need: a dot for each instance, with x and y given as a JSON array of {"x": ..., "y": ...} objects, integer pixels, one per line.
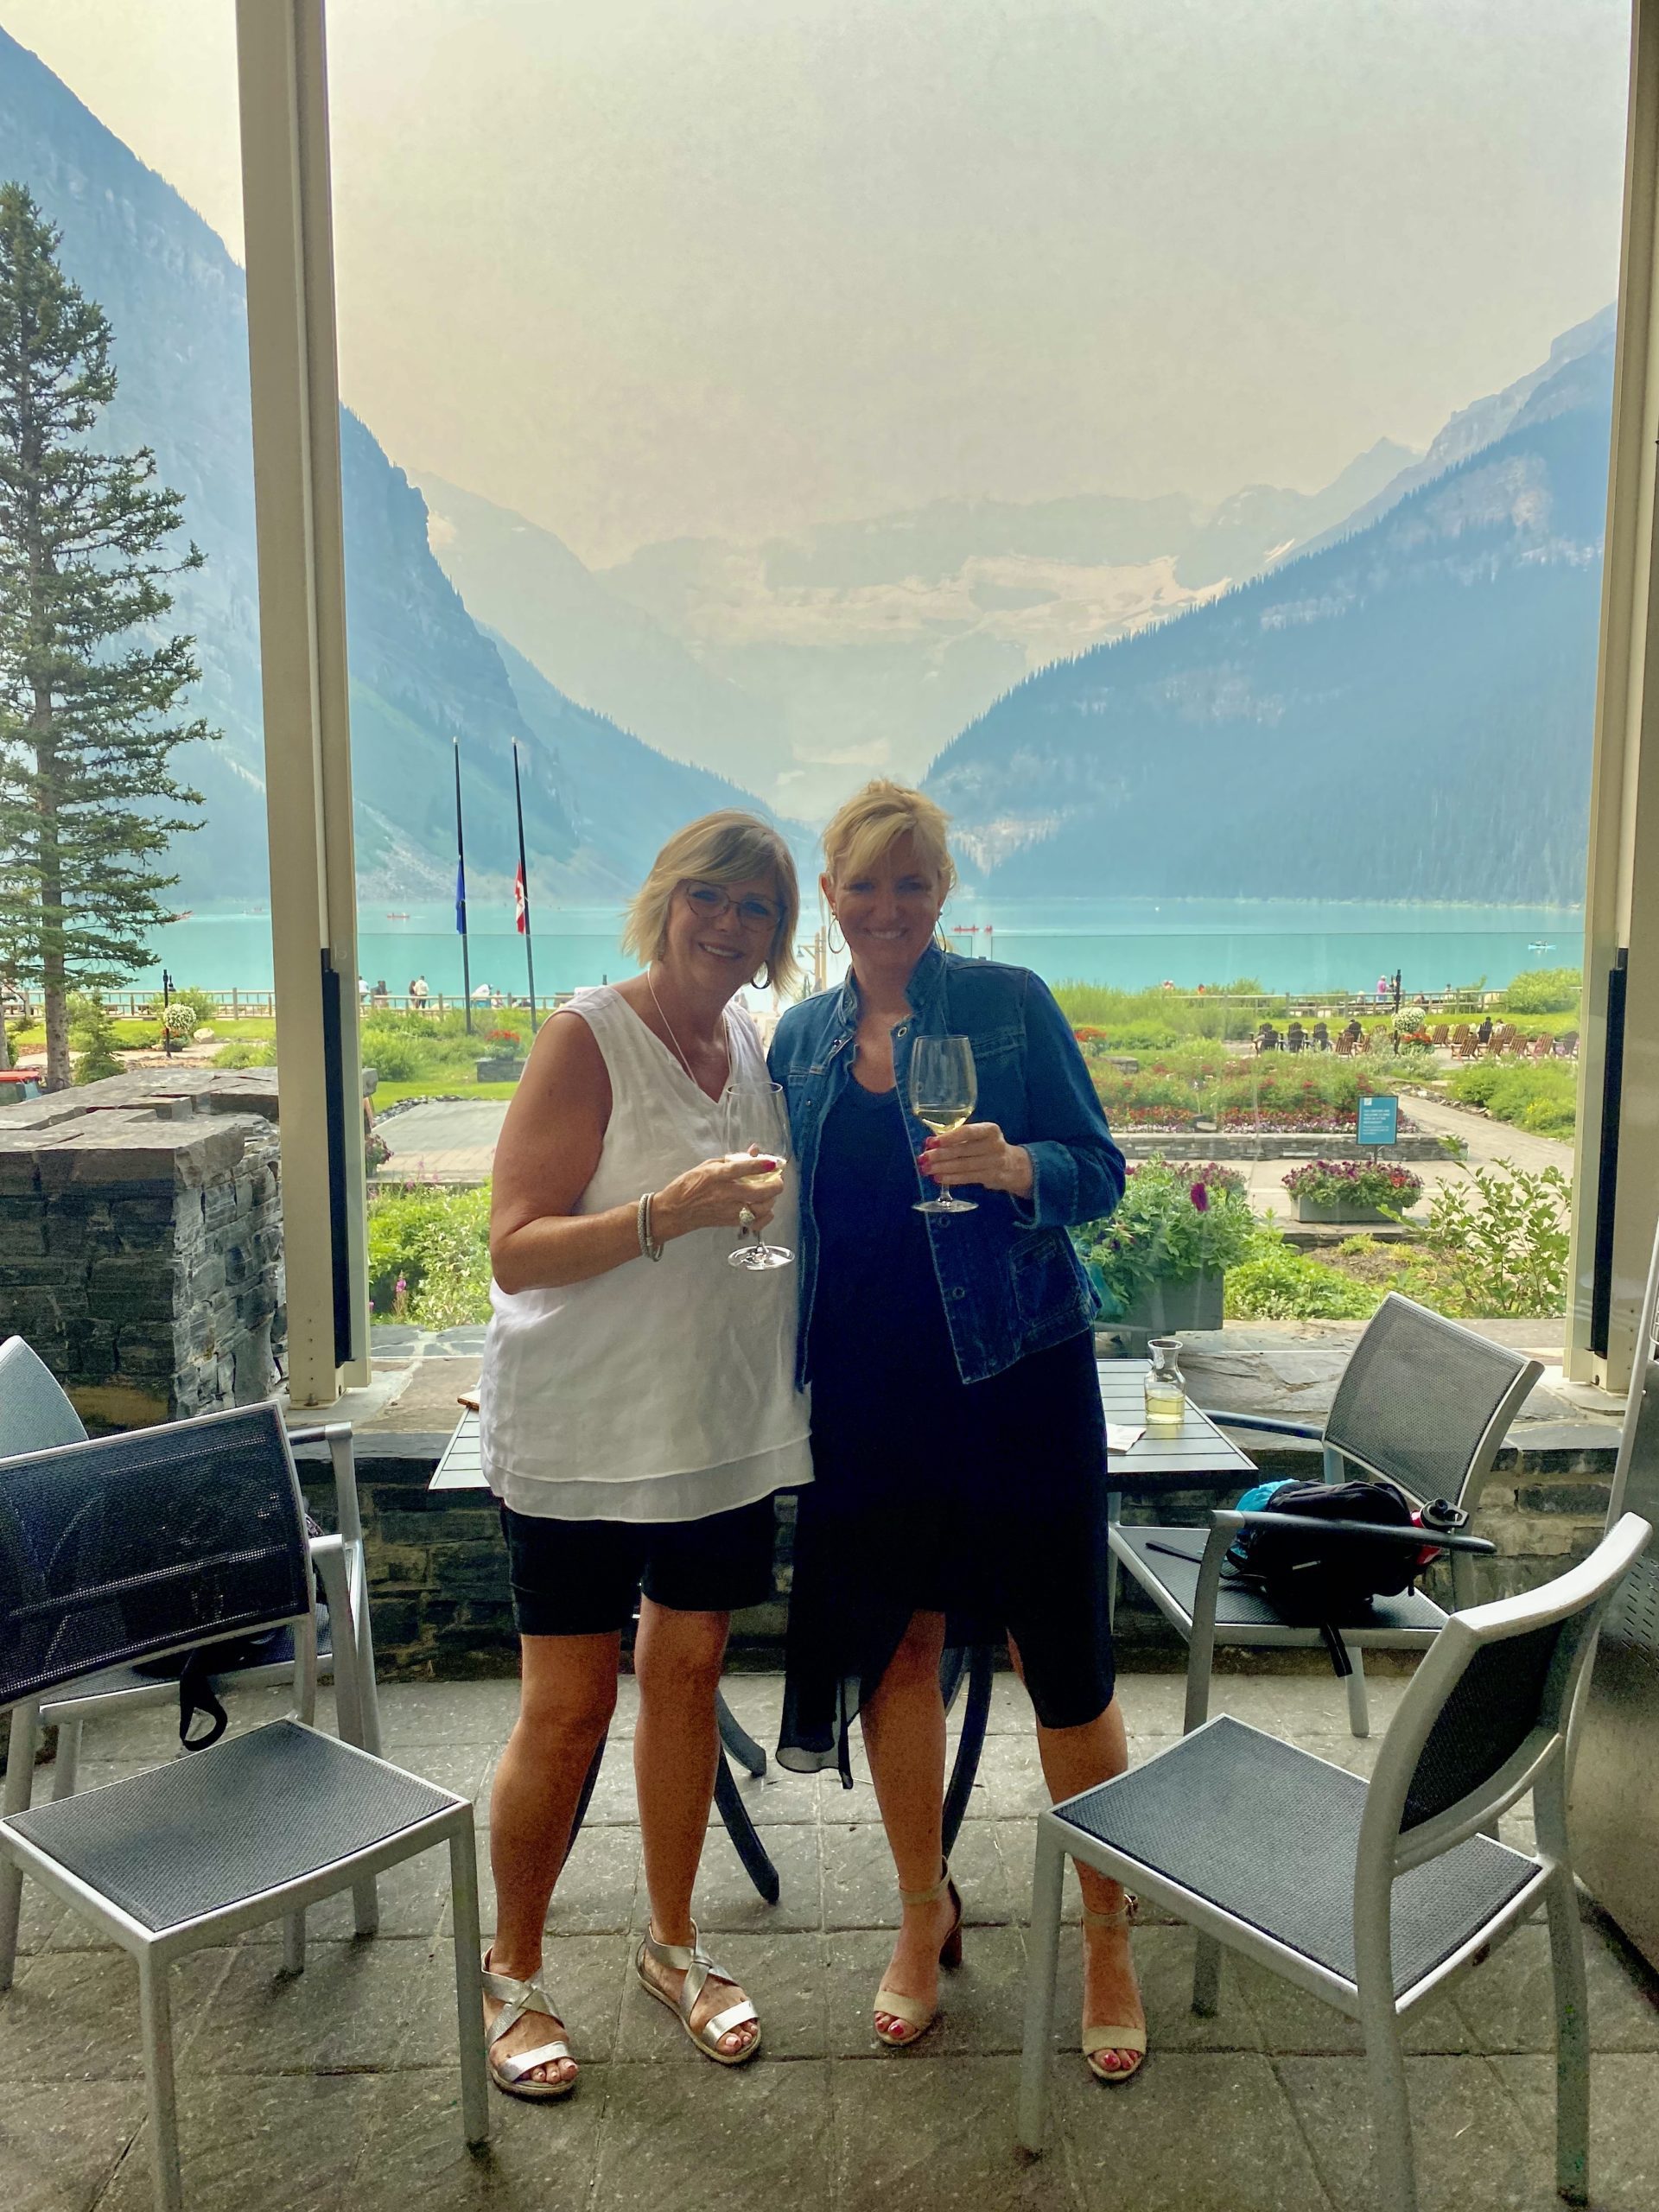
[{"x": 830, "y": 934}]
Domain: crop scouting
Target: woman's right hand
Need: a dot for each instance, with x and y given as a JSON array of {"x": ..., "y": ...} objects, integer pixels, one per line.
[{"x": 713, "y": 1194}]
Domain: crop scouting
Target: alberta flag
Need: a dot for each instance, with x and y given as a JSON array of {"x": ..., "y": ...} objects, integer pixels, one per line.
[
  {"x": 520, "y": 904},
  {"x": 460, "y": 897}
]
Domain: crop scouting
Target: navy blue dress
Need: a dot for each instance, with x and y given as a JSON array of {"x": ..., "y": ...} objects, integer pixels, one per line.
[{"x": 985, "y": 1501}]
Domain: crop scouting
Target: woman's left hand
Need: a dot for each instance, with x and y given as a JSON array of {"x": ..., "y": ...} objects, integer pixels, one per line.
[{"x": 978, "y": 1152}]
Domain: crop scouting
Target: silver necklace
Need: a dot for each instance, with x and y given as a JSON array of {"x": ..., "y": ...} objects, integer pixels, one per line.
[{"x": 674, "y": 1041}]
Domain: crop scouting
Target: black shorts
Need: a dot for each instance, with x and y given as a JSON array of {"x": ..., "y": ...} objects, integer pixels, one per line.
[{"x": 583, "y": 1578}]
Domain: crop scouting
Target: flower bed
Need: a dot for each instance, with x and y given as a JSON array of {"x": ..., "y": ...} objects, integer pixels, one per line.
[{"x": 1182, "y": 1092}]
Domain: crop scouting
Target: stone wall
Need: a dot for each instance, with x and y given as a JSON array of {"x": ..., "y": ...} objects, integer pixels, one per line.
[
  {"x": 437, "y": 1565},
  {"x": 141, "y": 1241}
]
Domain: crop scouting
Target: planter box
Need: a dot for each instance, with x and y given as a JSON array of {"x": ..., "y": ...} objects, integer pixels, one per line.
[
  {"x": 1169, "y": 1309},
  {"x": 499, "y": 1071},
  {"x": 1340, "y": 1210}
]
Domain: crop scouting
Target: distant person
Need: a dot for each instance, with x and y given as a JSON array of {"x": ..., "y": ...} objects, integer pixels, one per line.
[
  {"x": 1321, "y": 1038},
  {"x": 1483, "y": 1029},
  {"x": 481, "y": 995},
  {"x": 1385, "y": 987},
  {"x": 362, "y": 990},
  {"x": 418, "y": 993},
  {"x": 382, "y": 996}
]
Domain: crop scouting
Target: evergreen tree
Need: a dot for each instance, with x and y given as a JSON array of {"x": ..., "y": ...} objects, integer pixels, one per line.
[{"x": 88, "y": 680}]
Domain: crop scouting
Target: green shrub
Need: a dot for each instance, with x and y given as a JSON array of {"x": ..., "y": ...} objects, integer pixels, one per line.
[
  {"x": 1545, "y": 990},
  {"x": 1496, "y": 1250},
  {"x": 247, "y": 1053},
  {"x": 435, "y": 1242},
  {"x": 93, "y": 1036},
  {"x": 1541, "y": 1096},
  {"x": 1278, "y": 1284}
]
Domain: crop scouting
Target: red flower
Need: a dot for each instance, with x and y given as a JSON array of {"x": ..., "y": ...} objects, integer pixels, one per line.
[{"x": 1200, "y": 1198}]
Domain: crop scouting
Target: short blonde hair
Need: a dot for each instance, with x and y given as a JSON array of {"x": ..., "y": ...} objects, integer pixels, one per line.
[
  {"x": 872, "y": 823},
  {"x": 725, "y": 848}
]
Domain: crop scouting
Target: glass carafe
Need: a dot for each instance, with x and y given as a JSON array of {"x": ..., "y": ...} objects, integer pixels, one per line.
[{"x": 1166, "y": 1386}]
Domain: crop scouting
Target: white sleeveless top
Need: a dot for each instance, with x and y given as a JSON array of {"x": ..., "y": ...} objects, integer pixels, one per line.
[{"x": 663, "y": 1390}]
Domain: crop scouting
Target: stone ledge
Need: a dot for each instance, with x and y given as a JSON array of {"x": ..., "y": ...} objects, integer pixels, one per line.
[{"x": 438, "y": 1569}]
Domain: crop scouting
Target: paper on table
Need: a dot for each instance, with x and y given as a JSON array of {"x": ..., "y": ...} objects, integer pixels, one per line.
[{"x": 1120, "y": 1437}]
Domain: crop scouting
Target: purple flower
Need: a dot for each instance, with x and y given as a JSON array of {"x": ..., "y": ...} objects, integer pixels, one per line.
[{"x": 1200, "y": 1197}]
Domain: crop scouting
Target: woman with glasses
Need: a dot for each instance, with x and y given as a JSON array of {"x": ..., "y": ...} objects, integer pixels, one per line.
[
  {"x": 638, "y": 1411},
  {"x": 948, "y": 1135}
]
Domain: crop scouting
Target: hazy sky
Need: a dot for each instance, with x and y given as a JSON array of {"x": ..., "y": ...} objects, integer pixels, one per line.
[{"x": 648, "y": 268}]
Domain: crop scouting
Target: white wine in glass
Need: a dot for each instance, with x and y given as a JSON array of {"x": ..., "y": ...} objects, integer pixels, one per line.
[
  {"x": 942, "y": 1090},
  {"x": 756, "y": 1125}
]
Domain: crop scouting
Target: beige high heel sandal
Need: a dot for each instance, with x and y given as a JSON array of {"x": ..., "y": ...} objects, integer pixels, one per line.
[
  {"x": 1116, "y": 2035},
  {"x": 911, "y": 2010}
]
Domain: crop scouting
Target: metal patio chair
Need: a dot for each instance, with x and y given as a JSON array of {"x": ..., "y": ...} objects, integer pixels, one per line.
[
  {"x": 1373, "y": 1896},
  {"x": 1423, "y": 1402},
  {"x": 36, "y": 1414},
  {"x": 154, "y": 1542}
]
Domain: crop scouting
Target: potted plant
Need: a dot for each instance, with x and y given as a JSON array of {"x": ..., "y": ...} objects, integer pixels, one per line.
[
  {"x": 505, "y": 1057},
  {"x": 1352, "y": 1190},
  {"x": 1158, "y": 1262}
]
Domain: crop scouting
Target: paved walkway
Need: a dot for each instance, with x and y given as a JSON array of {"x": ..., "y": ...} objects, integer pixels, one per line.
[
  {"x": 444, "y": 1140},
  {"x": 338, "y": 2089}
]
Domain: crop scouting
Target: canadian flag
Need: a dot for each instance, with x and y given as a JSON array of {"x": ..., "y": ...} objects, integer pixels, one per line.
[{"x": 520, "y": 904}]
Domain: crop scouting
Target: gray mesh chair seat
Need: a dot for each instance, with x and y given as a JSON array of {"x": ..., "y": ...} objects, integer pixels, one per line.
[
  {"x": 1423, "y": 1403},
  {"x": 1371, "y": 1895},
  {"x": 148, "y": 1546},
  {"x": 1270, "y": 1834},
  {"x": 249, "y": 1816},
  {"x": 1409, "y": 1620}
]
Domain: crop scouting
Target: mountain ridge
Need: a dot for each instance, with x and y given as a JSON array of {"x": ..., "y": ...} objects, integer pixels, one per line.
[{"x": 1350, "y": 721}]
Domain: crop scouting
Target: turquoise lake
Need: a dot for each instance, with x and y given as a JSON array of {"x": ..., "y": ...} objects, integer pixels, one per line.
[{"x": 1287, "y": 945}]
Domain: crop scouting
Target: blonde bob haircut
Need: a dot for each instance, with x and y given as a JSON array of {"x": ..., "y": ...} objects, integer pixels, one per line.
[
  {"x": 872, "y": 823},
  {"x": 725, "y": 848}
]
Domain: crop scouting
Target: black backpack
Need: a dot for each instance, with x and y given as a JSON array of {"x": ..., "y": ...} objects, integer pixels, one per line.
[{"x": 1317, "y": 1579}]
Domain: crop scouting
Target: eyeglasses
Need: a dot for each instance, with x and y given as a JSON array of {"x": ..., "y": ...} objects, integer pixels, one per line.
[{"x": 713, "y": 904}]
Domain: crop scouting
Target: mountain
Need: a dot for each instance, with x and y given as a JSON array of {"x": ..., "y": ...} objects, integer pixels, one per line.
[
  {"x": 423, "y": 676},
  {"x": 870, "y": 644},
  {"x": 589, "y": 641},
  {"x": 1403, "y": 713},
  {"x": 1584, "y": 349}
]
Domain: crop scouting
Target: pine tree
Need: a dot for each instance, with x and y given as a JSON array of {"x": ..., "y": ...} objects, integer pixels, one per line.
[{"x": 87, "y": 678}]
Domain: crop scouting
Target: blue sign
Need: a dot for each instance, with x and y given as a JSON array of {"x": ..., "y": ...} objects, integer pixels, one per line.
[{"x": 1379, "y": 1120}]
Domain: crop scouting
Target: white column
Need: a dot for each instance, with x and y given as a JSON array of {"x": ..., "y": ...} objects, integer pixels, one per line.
[
  {"x": 1622, "y": 892},
  {"x": 289, "y": 248}
]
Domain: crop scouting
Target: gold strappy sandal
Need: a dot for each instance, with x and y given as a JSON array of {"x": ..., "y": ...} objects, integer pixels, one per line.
[
  {"x": 1117, "y": 2035},
  {"x": 915, "y": 2015},
  {"x": 516, "y": 1999},
  {"x": 699, "y": 1969}
]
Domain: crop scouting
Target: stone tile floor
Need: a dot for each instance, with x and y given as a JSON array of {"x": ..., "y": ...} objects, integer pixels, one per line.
[{"x": 338, "y": 2088}]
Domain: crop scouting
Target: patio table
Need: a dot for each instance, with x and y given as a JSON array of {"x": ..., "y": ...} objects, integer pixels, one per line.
[{"x": 1197, "y": 1452}]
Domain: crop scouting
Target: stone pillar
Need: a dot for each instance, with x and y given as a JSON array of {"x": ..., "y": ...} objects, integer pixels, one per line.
[{"x": 141, "y": 1250}]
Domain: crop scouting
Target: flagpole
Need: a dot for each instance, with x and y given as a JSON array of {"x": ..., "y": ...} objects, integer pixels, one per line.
[
  {"x": 522, "y": 915},
  {"x": 460, "y": 897}
]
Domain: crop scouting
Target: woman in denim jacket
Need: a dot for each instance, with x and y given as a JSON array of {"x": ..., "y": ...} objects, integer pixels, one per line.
[{"x": 958, "y": 1444}]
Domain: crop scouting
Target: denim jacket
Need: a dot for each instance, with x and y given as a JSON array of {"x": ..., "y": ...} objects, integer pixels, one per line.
[{"x": 1009, "y": 1278}]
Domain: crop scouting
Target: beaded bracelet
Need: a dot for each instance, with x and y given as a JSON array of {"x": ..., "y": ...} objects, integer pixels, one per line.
[{"x": 649, "y": 1247}]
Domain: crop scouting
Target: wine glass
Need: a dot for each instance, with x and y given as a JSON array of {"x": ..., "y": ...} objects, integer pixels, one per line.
[
  {"x": 755, "y": 1122},
  {"x": 943, "y": 1089}
]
